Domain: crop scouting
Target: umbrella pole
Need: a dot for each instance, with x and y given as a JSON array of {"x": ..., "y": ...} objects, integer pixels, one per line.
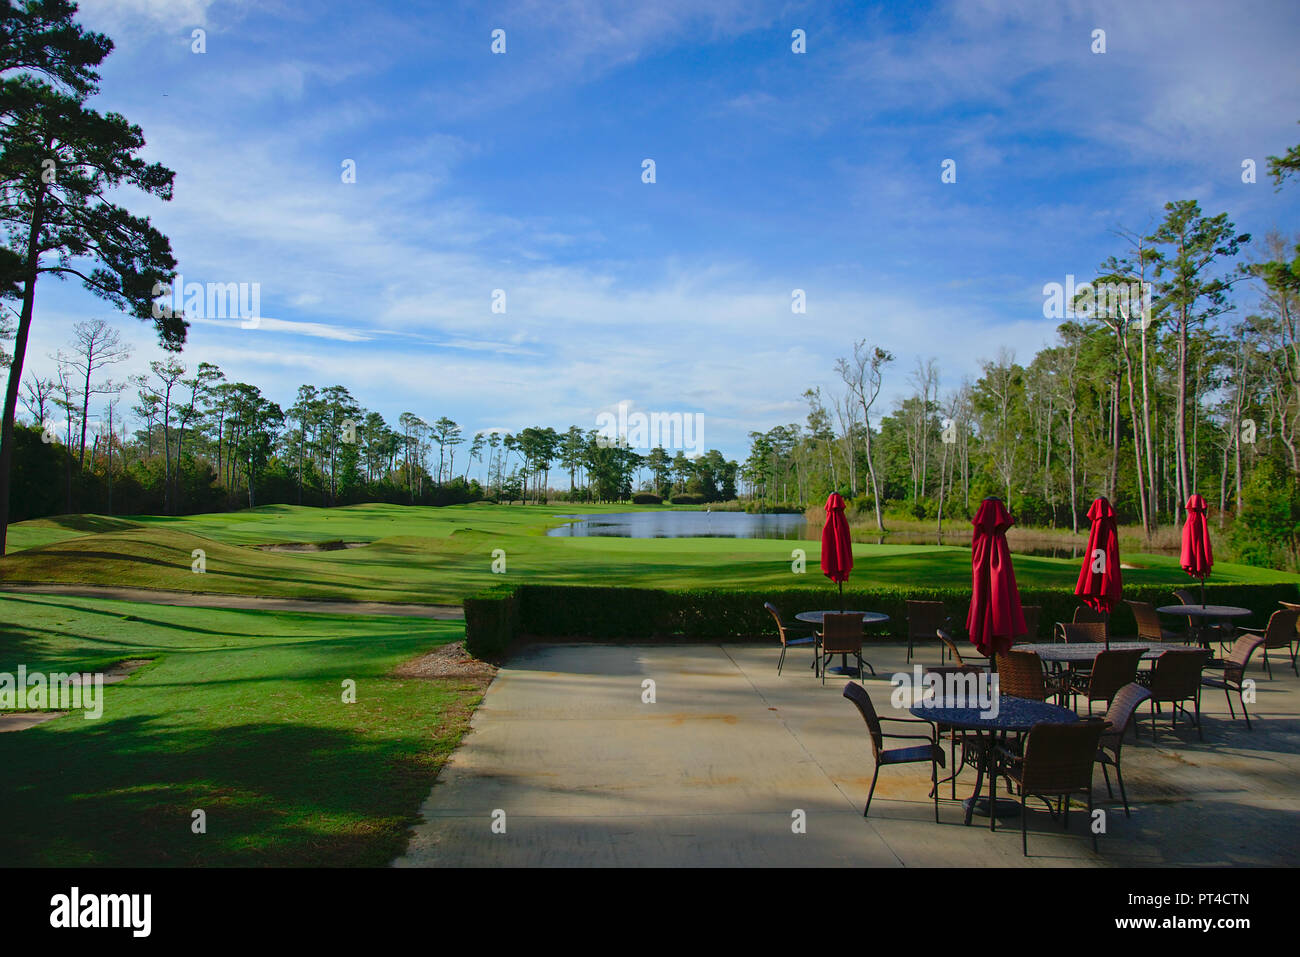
[
  {"x": 1202, "y": 591},
  {"x": 842, "y": 595}
]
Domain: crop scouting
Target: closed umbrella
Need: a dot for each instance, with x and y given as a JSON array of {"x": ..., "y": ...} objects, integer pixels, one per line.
[
  {"x": 1100, "y": 580},
  {"x": 837, "y": 548},
  {"x": 995, "y": 616},
  {"x": 1197, "y": 558}
]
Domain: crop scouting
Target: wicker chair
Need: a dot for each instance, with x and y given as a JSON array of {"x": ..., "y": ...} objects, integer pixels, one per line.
[
  {"x": 1148, "y": 623},
  {"x": 1295, "y": 645},
  {"x": 1111, "y": 671},
  {"x": 1176, "y": 679},
  {"x": 972, "y": 658},
  {"x": 930, "y": 752},
  {"x": 1020, "y": 674},
  {"x": 1072, "y": 632},
  {"x": 1279, "y": 633},
  {"x": 1085, "y": 615},
  {"x": 785, "y": 630},
  {"x": 1121, "y": 713},
  {"x": 1234, "y": 673},
  {"x": 841, "y": 635},
  {"x": 1057, "y": 762},
  {"x": 923, "y": 619}
]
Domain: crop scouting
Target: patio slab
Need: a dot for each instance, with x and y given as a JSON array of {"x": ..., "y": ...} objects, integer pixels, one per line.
[{"x": 716, "y": 770}]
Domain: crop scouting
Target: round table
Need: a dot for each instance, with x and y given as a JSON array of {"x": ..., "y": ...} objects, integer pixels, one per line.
[
  {"x": 1219, "y": 612},
  {"x": 1089, "y": 650},
  {"x": 868, "y": 618},
  {"x": 1014, "y": 715}
]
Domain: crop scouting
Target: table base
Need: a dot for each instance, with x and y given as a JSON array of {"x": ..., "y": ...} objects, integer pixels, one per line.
[{"x": 1001, "y": 808}]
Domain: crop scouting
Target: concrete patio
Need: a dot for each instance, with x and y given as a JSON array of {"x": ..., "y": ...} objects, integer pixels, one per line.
[{"x": 712, "y": 774}]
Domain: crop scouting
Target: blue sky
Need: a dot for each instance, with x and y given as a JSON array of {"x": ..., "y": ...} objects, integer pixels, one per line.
[{"x": 775, "y": 171}]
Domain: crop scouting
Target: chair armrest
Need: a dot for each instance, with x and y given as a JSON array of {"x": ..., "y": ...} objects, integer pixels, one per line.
[
  {"x": 908, "y": 737},
  {"x": 906, "y": 720}
]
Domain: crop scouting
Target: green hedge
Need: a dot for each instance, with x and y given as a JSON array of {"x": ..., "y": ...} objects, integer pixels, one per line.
[{"x": 496, "y": 618}]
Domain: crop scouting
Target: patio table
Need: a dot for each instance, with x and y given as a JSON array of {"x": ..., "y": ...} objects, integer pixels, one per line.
[
  {"x": 1089, "y": 650},
  {"x": 1015, "y": 715},
  {"x": 868, "y": 618},
  {"x": 1217, "y": 612}
]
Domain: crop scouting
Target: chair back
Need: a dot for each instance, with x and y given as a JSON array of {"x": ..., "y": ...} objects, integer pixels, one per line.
[
  {"x": 1176, "y": 675},
  {"x": 1059, "y": 757},
  {"x": 1290, "y": 604},
  {"x": 1234, "y": 666},
  {"x": 776, "y": 615},
  {"x": 1111, "y": 671},
  {"x": 1281, "y": 628},
  {"x": 862, "y": 701},
  {"x": 842, "y": 634},
  {"x": 951, "y": 645},
  {"x": 1081, "y": 631},
  {"x": 1187, "y": 597},
  {"x": 1120, "y": 714},
  {"x": 1032, "y": 614},
  {"x": 1084, "y": 613},
  {"x": 1020, "y": 674},
  {"x": 924, "y": 617},
  {"x": 1148, "y": 621}
]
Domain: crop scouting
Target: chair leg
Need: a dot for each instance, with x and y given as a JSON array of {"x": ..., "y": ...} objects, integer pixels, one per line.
[
  {"x": 780, "y": 661},
  {"x": 1244, "y": 713},
  {"x": 1228, "y": 694},
  {"x": 1106, "y": 777},
  {"x": 1267, "y": 667},
  {"x": 1024, "y": 832},
  {"x": 934, "y": 780},
  {"x": 871, "y": 792},
  {"x": 1119, "y": 776}
]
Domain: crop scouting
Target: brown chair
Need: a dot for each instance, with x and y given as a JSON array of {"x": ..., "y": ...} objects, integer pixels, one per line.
[
  {"x": 923, "y": 619},
  {"x": 840, "y": 635},
  {"x": 930, "y": 752},
  {"x": 1057, "y": 762},
  {"x": 1148, "y": 623},
  {"x": 1032, "y": 614},
  {"x": 1072, "y": 632},
  {"x": 1234, "y": 673},
  {"x": 1020, "y": 674},
  {"x": 1279, "y": 633},
  {"x": 785, "y": 631},
  {"x": 1085, "y": 615},
  {"x": 1174, "y": 680},
  {"x": 1121, "y": 713},
  {"x": 1111, "y": 671},
  {"x": 1295, "y": 646},
  {"x": 971, "y": 659}
]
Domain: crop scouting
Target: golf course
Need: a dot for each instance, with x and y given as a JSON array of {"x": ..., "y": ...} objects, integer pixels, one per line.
[{"x": 227, "y": 705}]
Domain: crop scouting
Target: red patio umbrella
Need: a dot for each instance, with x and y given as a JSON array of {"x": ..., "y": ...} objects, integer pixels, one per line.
[
  {"x": 1100, "y": 579},
  {"x": 995, "y": 616},
  {"x": 1198, "y": 557},
  {"x": 837, "y": 547}
]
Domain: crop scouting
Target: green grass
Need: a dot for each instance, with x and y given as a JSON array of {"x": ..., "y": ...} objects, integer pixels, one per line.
[
  {"x": 240, "y": 714},
  {"x": 443, "y": 554}
]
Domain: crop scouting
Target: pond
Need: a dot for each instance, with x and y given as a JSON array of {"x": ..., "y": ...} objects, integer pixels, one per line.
[{"x": 668, "y": 524}]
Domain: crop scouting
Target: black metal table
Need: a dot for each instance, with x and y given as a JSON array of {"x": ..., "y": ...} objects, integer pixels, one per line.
[
  {"x": 1014, "y": 715},
  {"x": 1089, "y": 650},
  {"x": 1207, "y": 612},
  {"x": 868, "y": 618}
]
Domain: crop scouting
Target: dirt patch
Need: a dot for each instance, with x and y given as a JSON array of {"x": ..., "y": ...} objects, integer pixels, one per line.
[
  {"x": 309, "y": 546},
  {"x": 448, "y": 661}
]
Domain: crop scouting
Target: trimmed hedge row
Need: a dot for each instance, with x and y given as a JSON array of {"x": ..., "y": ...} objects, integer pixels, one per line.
[{"x": 496, "y": 618}]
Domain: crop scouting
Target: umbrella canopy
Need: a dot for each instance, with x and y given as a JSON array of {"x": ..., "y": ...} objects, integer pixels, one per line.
[
  {"x": 1198, "y": 557},
  {"x": 837, "y": 548},
  {"x": 1100, "y": 580},
  {"x": 995, "y": 616}
]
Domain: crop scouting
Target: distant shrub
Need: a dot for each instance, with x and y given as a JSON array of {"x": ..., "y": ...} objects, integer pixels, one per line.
[
  {"x": 687, "y": 498},
  {"x": 647, "y": 498}
]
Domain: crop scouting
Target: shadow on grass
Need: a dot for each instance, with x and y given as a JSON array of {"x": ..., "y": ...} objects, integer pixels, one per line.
[{"x": 122, "y": 793}]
